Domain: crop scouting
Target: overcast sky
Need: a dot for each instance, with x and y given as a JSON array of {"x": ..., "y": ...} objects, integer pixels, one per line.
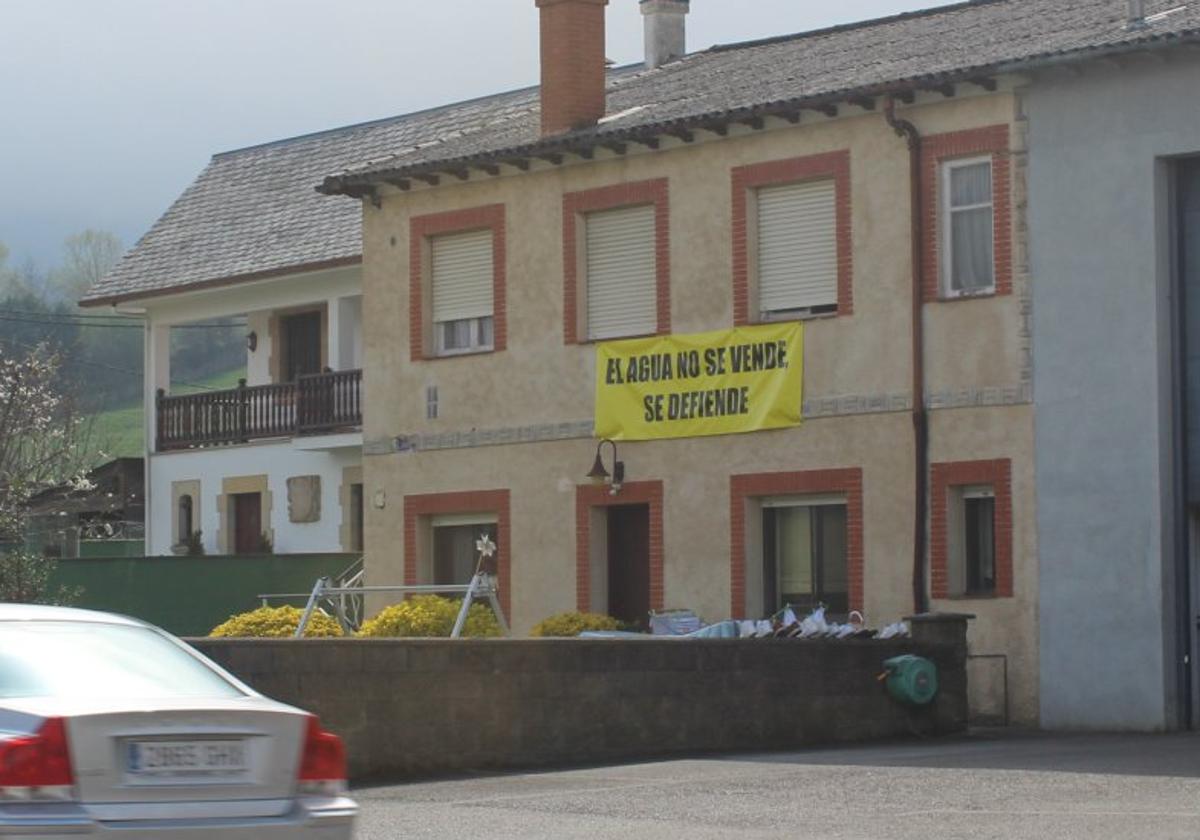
[{"x": 109, "y": 108}]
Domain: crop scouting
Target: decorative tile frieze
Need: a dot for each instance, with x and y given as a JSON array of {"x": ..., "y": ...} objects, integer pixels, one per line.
[{"x": 846, "y": 405}]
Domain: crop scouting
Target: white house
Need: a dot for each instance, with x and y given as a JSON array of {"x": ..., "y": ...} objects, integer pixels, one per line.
[{"x": 277, "y": 463}]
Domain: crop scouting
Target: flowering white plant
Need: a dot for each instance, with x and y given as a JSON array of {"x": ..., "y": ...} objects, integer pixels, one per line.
[{"x": 41, "y": 447}]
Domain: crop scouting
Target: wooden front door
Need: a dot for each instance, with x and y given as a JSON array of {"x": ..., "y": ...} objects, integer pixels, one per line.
[
  {"x": 247, "y": 523},
  {"x": 629, "y": 563}
]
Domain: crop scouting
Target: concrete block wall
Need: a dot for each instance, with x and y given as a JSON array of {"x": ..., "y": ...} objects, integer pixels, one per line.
[{"x": 413, "y": 708}]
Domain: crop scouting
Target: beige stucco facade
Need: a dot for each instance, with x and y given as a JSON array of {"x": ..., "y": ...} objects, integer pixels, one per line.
[{"x": 857, "y": 378}]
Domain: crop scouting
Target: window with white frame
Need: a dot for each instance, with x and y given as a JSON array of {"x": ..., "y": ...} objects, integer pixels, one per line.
[
  {"x": 620, "y": 272},
  {"x": 454, "y": 556},
  {"x": 804, "y": 542},
  {"x": 968, "y": 232},
  {"x": 797, "y": 249},
  {"x": 462, "y": 280},
  {"x": 972, "y": 515}
]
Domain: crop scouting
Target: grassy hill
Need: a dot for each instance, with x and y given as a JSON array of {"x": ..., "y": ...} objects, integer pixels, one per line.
[{"x": 118, "y": 432}]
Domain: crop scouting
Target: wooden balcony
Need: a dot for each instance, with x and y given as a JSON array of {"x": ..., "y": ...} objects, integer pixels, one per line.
[{"x": 317, "y": 404}]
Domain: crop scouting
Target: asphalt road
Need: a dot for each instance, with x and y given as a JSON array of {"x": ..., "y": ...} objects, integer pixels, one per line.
[{"x": 979, "y": 787}]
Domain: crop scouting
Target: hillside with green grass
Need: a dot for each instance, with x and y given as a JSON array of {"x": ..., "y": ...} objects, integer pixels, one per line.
[{"x": 118, "y": 432}]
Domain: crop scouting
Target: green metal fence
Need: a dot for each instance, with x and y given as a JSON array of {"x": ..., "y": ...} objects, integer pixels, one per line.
[{"x": 190, "y": 595}]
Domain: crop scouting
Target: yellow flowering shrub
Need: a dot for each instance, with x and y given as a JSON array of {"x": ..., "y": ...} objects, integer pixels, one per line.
[
  {"x": 430, "y": 616},
  {"x": 571, "y": 624},
  {"x": 276, "y": 623}
]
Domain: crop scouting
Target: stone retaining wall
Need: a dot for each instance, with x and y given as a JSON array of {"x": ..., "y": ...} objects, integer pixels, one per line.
[{"x": 410, "y": 708}]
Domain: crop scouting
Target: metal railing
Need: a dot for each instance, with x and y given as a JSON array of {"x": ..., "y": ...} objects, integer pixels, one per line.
[
  {"x": 314, "y": 404},
  {"x": 343, "y": 597}
]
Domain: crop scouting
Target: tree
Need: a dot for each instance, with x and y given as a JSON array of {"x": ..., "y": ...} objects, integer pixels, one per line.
[
  {"x": 42, "y": 446},
  {"x": 87, "y": 257},
  {"x": 11, "y": 282}
]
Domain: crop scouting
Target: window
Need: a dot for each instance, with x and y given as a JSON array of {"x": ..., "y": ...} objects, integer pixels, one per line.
[
  {"x": 792, "y": 238},
  {"x": 184, "y": 524},
  {"x": 81, "y": 661},
  {"x": 797, "y": 249},
  {"x": 979, "y": 551},
  {"x": 966, "y": 182},
  {"x": 971, "y": 529},
  {"x": 425, "y": 513},
  {"x": 454, "y": 554},
  {"x": 462, "y": 277},
  {"x": 805, "y": 554},
  {"x": 968, "y": 247},
  {"x": 457, "y": 280},
  {"x": 616, "y": 261},
  {"x": 973, "y": 541},
  {"x": 620, "y": 272}
]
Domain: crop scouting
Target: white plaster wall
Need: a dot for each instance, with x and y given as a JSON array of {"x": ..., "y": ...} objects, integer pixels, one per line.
[
  {"x": 1104, "y": 452},
  {"x": 279, "y": 461}
]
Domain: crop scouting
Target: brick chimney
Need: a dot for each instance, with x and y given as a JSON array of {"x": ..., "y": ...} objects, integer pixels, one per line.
[
  {"x": 666, "y": 30},
  {"x": 573, "y": 64}
]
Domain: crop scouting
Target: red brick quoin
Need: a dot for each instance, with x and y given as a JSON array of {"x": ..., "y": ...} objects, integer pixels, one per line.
[
  {"x": 472, "y": 501},
  {"x": 610, "y": 198},
  {"x": 834, "y": 165},
  {"x": 421, "y": 228},
  {"x": 997, "y": 474},
  {"x": 959, "y": 144},
  {"x": 635, "y": 493},
  {"x": 756, "y": 485}
]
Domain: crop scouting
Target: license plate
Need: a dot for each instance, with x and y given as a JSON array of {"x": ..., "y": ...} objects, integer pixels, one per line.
[{"x": 152, "y": 758}]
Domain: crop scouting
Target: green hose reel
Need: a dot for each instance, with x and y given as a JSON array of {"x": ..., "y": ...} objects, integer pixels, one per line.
[{"x": 911, "y": 680}]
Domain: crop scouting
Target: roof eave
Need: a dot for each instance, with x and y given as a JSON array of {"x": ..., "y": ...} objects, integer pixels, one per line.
[
  {"x": 219, "y": 282},
  {"x": 358, "y": 185}
]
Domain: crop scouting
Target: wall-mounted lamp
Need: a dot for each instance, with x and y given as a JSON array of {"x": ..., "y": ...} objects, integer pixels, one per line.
[
  {"x": 251, "y": 341},
  {"x": 599, "y": 474}
]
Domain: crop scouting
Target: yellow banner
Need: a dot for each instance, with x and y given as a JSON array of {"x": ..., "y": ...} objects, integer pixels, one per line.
[{"x": 718, "y": 383}]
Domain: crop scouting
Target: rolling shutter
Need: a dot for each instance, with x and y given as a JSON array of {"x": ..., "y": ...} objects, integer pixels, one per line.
[
  {"x": 621, "y": 272},
  {"x": 797, "y": 246},
  {"x": 462, "y": 276}
]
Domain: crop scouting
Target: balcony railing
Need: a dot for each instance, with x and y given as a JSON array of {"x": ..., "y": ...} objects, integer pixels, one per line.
[{"x": 316, "y": 404}]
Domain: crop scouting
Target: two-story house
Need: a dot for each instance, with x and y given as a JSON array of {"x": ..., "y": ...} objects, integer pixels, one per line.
[
  {"x": 865, "y": 191},
  {"x": 274, "y": 465},
  {"x": 865, "y": 181}
]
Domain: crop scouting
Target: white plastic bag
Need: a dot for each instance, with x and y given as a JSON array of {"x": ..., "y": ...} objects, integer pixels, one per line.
[
  {"x": 899, "y": 630},
  {"x": 814, "y": 625}
]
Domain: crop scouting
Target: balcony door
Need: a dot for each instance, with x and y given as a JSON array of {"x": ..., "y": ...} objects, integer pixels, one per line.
[{"x": 301, "y": 345}]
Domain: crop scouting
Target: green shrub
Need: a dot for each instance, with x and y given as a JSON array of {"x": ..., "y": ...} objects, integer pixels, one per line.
[
  {"x": 430, "y": 616},
  {"x": 276, "y": 623},
  {"x": 571, "y": 624}
]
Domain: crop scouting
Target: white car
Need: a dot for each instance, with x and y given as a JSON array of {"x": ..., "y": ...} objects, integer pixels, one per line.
[{"x": 113, "y": 728}]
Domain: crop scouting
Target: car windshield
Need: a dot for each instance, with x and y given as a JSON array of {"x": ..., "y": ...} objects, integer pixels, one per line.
[{"x": 80, "y": 660}]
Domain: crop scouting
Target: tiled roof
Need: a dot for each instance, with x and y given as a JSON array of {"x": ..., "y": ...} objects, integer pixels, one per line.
[
  {"x": 254, "y": 211},
  {"x": 952, "y": 42}
]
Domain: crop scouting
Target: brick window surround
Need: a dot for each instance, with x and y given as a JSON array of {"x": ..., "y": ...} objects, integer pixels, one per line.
[
  {"x": 472, "y": 501},
  {"x": 809, "y": 482},
  {"x": 998, "y": 475},
  {"x": 575, "y": 205},
  {"x": 588, "y": 496},
  {"x": 835, "y": 165},
  {"x": 938, "y": 148},
  {"x": 421, "y": 228}
]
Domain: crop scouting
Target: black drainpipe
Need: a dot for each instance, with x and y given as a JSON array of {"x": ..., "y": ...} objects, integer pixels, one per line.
[{"x": 920, "y": 419}]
